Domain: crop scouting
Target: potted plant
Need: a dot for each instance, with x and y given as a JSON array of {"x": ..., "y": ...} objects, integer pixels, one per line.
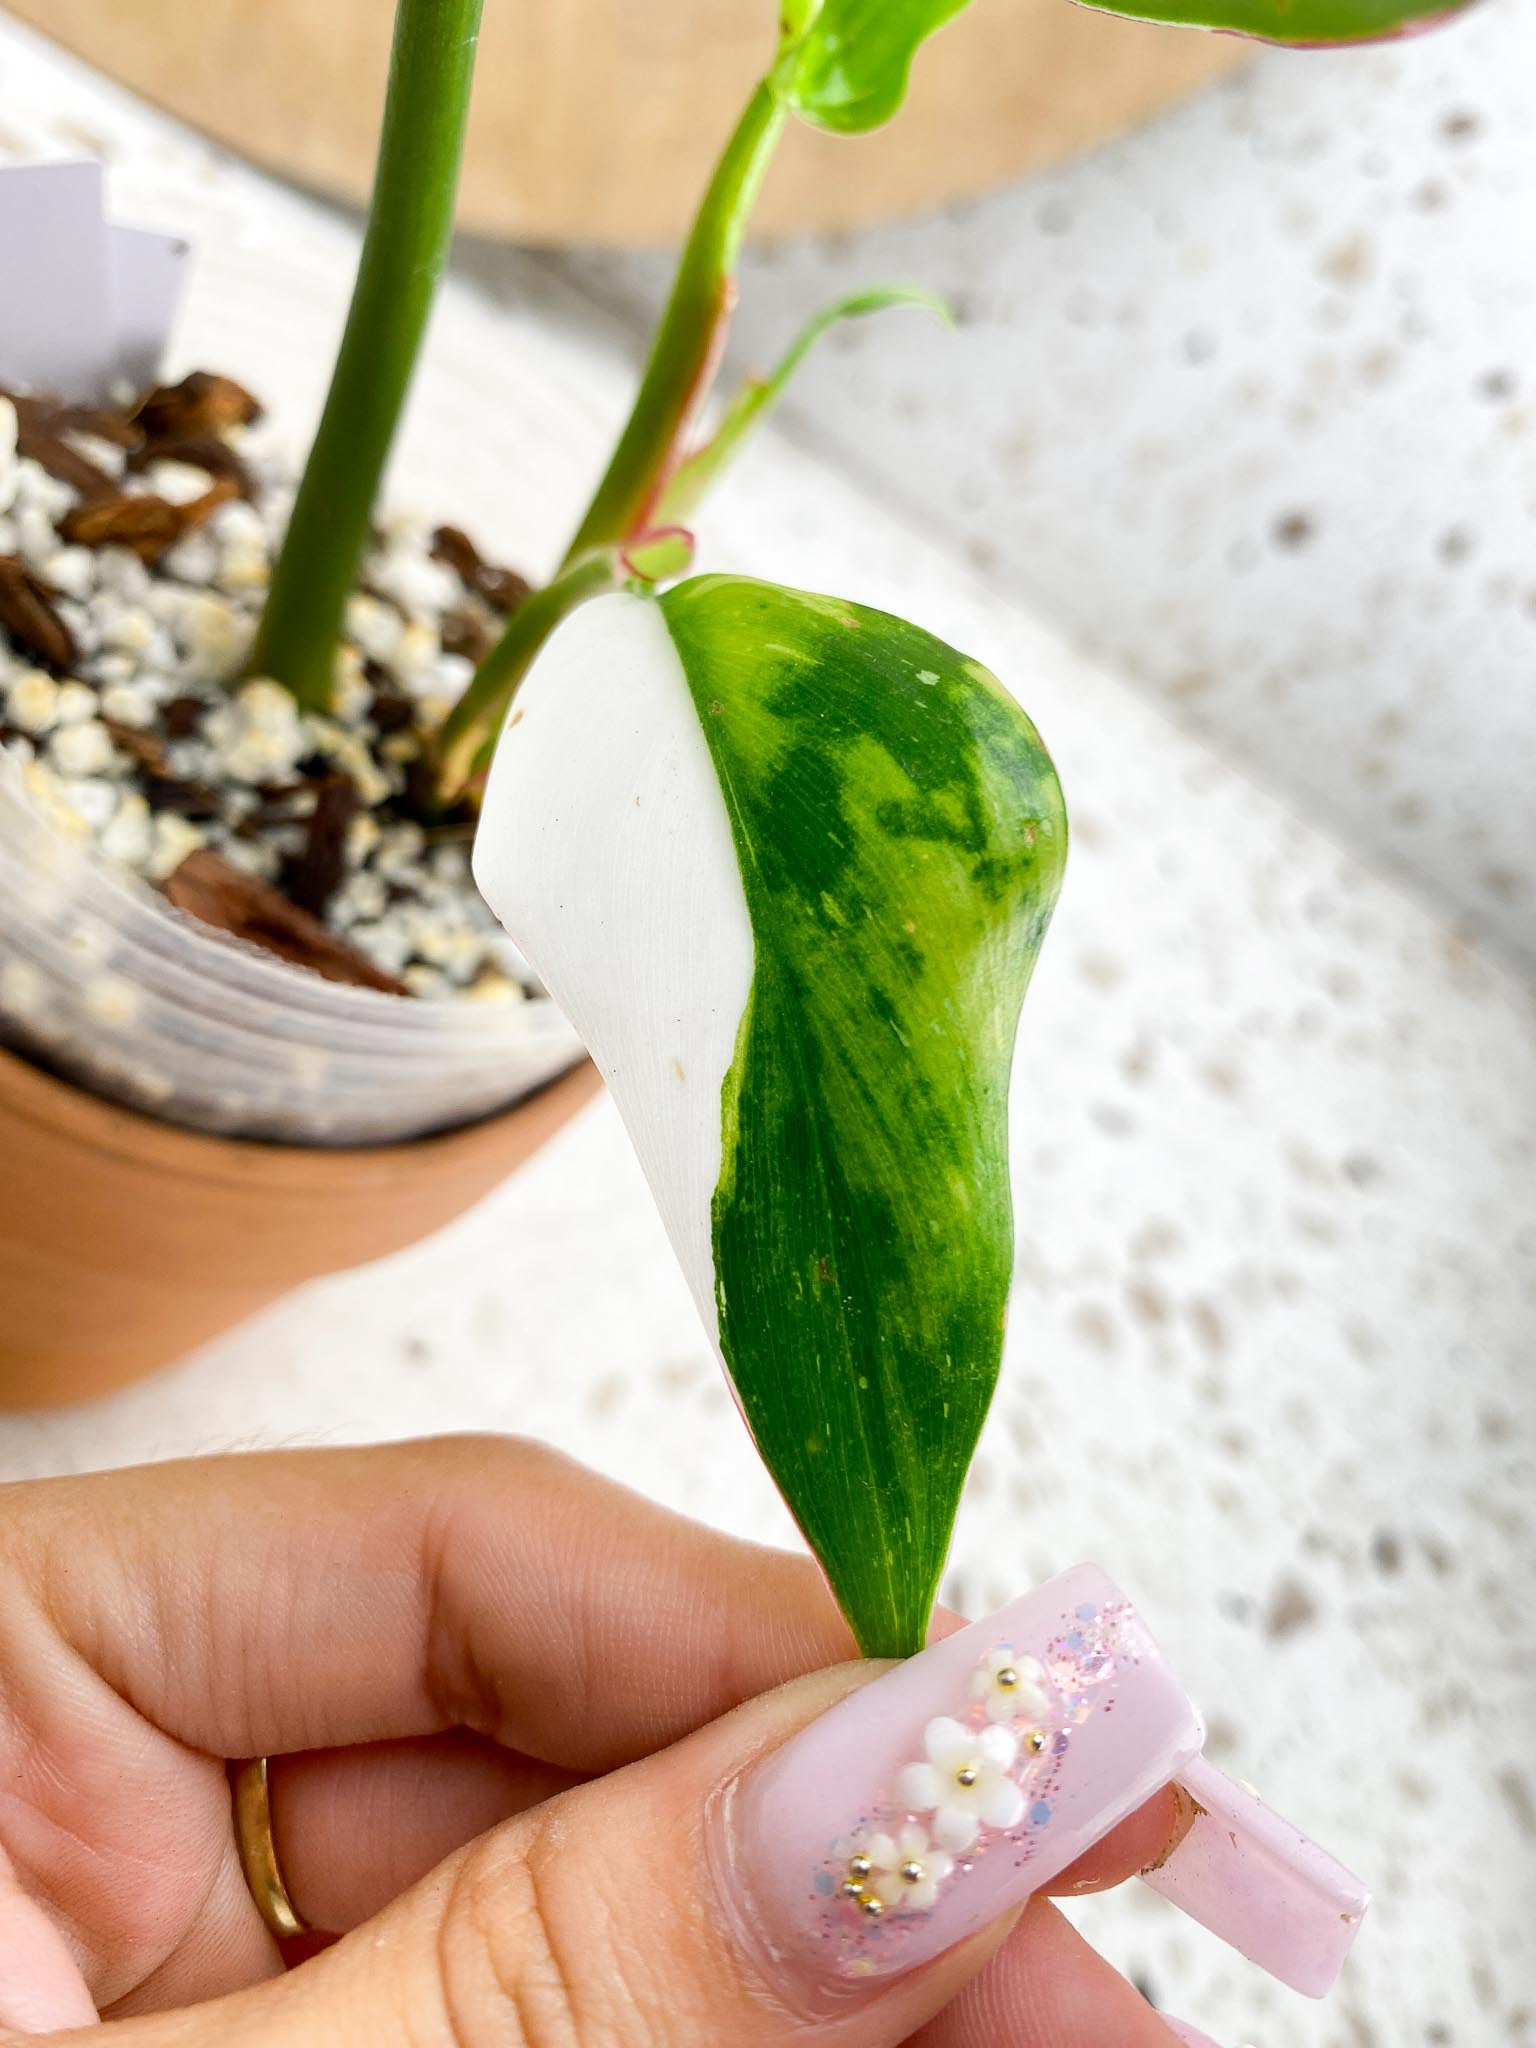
[
  {"x": 302, "y": 793},
  {"x": 327, "y": 1049}
]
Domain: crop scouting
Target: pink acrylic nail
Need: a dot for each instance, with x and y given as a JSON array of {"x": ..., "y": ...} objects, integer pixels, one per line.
[
  {"x": 1255, "y": 1880},
  {"x": 1183, "y": 2031},
  {"x": 950, "y": 1789}
]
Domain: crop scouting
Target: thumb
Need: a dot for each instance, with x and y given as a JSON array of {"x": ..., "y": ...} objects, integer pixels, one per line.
[
  {"x": 617, "y": 1915},
  {"x": 830, "y": 1864},
  {"x": 625, "y": 1912}
]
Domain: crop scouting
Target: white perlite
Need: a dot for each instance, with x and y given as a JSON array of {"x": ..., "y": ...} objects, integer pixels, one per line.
[{"x": 157, "y": 750}]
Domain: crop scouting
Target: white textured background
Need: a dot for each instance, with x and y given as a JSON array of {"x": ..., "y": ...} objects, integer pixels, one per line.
[{"x": 1271, "y": 1357}]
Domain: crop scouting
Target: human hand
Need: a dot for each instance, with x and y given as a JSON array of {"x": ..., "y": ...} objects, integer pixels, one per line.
[{"x": 527, "y": 1739}]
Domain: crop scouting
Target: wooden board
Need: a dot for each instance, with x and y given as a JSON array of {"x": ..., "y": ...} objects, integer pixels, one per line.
[{"x": 595, "y": 121}]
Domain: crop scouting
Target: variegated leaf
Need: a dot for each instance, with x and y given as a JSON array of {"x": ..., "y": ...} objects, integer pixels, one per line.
[{"x": 787, "y": 864}]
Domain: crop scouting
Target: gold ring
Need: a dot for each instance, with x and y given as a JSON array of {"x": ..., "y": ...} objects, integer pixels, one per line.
[{"x": 258, "y": 1851}]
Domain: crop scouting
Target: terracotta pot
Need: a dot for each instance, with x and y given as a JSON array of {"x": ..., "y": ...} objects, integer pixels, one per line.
[
  {"x": 125, "y": 1242},
  {"x": 597, "y": 120}
]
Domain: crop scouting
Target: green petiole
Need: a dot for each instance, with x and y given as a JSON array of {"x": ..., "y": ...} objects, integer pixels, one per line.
[{"x": 690, "y": 339}]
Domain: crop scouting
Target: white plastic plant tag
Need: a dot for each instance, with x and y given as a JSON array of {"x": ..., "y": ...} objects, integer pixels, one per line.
[
  {"x": 86, "y": 303},
  {"x": 56, "y": 326},
  {"x": 149, "y": 274}
]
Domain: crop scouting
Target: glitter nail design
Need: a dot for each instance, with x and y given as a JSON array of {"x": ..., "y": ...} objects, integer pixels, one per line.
[
  {"x": 979, "y": 1771},
  {"x": 984, "y": 1785}
]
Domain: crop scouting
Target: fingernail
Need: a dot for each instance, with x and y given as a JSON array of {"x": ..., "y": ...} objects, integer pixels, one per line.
[
  {"x": 945, "y": 1792},
  {"x": 1185, "y": 2032},
  {"x": 932, "y": 1800},
  {"x": 1249, "y": 1876}
]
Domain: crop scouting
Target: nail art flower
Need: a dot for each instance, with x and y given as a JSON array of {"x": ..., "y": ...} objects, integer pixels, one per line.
[
  {"x": 1010, "y": 1687},
  {"x": 901, "y": 1872},
  {"x": 964, "y": 1783}
]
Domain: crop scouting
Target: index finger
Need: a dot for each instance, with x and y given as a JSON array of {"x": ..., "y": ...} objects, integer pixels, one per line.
[{"x": 259, "y": 1604}]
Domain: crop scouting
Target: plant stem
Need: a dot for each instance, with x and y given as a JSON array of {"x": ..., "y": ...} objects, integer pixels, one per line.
[
  {"x": 690, "y": 338},
  {"x": 471, "y": 729},
  {"x": 691, "y": 478},
  {"x": 682, "y": 365},
  {"x": 410, "y": 227}
]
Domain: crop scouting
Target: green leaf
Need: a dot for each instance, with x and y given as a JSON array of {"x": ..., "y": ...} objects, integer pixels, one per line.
[
  {"x": 660, "y": 555},
  {"x": 900, "y": 834},
  {"x": 843, "y": 65},
  {"x": 795, "y": 17},
  {"x": 1295, "y": 21},
  {"x": 759, "y": 395}
]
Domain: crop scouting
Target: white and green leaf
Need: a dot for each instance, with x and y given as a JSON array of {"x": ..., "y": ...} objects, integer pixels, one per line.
[{"x": 787, "y": 863}]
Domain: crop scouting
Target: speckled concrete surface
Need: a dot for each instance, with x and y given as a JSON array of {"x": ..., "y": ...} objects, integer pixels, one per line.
[
  {"x": 1276, "y": 1130},
  {"x": 1247, "y": 402}
]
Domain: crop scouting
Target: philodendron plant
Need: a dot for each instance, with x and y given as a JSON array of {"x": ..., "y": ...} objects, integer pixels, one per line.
[{"x": 786, "y": 861}]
